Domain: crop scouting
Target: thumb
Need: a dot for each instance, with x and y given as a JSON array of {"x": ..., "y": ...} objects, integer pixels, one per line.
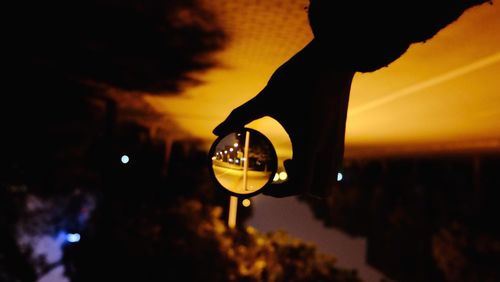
[
  {"x": 288, "y": 188},
  {"x": 239, "y": 117}
]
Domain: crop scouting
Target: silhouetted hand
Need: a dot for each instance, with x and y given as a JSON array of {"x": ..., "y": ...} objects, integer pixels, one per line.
[
  {"x": 315, "y": 83},
  {"x": 309, "y": 96}
]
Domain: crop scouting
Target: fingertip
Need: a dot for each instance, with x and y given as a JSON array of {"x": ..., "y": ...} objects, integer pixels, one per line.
[
  {"x": 219, "y": 129},
  {"x": 242, "y": 115}
]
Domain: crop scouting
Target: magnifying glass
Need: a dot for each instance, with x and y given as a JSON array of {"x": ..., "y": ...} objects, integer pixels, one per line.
[{"x": 243, "y": 162}]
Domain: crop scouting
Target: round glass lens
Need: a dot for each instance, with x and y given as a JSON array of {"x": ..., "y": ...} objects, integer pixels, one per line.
[{"x": 243, "y": 162}]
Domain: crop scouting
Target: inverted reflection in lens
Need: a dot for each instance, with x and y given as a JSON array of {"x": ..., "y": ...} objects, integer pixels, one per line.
[{"x": 243, "y": 162}]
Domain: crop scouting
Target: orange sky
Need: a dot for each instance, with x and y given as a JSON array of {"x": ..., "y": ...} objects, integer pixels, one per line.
[{"x": 442, "y": 95}]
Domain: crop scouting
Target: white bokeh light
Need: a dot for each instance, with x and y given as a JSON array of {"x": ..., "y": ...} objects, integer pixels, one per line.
[
  {"x": 246, "y": 202},
  {"x": 283, "y": 175},
  {"x": 125, "y": 159},
  {"x": 339, "y": 176}
]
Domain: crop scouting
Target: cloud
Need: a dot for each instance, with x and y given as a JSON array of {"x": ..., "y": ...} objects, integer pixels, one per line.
[
  {"x": 133, "y": 45},
  {"x": 66, "y": 57}
]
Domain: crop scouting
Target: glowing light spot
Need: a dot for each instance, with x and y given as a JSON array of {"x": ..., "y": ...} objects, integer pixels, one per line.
[
  {"x": 231, "y": 149},
  {"x": 236, "y": 145},
  {"x": 283, "y": 175},
  {"x": 246, "y": 203},
  {"x": 276, "y": 177},
  {"x": 214, "y": 158},
  {"x": 225, "y": 151},
  {"x": 237, "y": 161},
  {"x": 125, "y": 159},
  {"x": 339, "y": 176},
  {"x": 73, "y": 237},
  {"x": 230, "y": 160}
]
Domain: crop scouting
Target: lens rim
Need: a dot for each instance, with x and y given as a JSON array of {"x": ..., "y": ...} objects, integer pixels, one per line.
[{"x": 273, "y": 155}]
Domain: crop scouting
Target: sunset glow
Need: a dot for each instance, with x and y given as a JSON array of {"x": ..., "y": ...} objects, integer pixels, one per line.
[{"x": 441, "y": 95}]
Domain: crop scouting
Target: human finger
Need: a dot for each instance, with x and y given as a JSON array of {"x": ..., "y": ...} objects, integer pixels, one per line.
[{"x": 239, "y": 117}]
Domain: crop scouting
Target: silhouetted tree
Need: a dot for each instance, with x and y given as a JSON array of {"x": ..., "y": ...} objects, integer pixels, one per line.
[
  {"x": 468, "y": 251},
  {"x": 425, "y": 218},
  {"x": 61, "y": 120},
  {"x": 189, "y": 241}
]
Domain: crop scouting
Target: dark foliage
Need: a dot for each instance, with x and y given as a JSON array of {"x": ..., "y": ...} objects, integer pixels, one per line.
[
  {"x": 427, "y": 218},
  {"x": 59, "y": 123},
  {"x": 151, "y": 45}
]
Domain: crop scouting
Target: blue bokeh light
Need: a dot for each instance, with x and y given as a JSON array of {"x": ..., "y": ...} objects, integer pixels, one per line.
[
  {"x": 73, "y": 237},
  {"x": 125, "y": 159}
]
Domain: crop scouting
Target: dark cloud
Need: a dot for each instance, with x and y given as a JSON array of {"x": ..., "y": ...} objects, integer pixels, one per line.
[
  {"x": 64, "y": 58},
  {"x": 135, "y": 45},
  {"x": 62, "y": 53}
]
